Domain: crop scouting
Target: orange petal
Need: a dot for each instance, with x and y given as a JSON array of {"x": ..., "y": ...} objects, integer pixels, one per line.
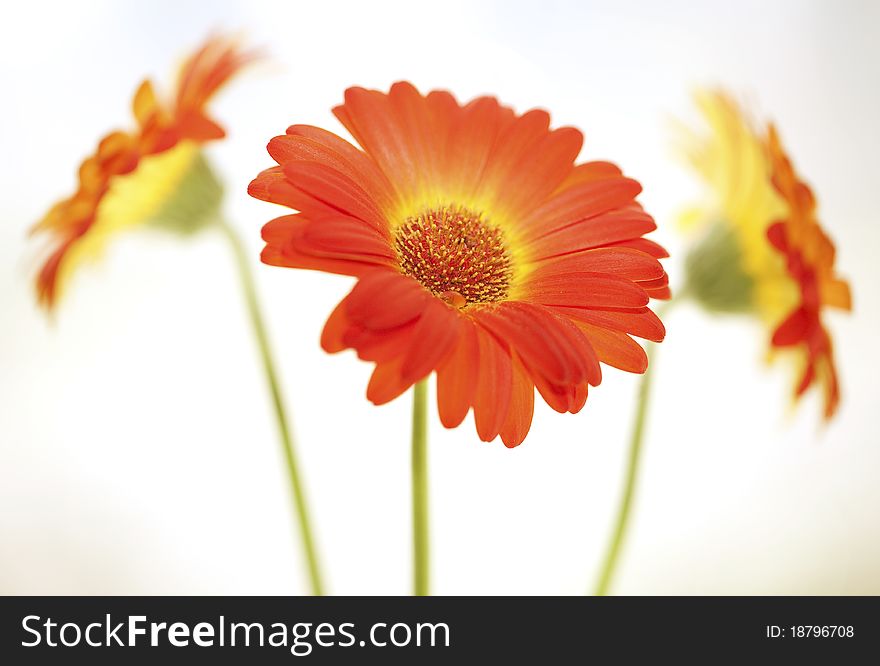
[
  {"x": 335, "y": 191},
  {"x": 644, "y": 245},
  {"x": 345, "y": 236},
  {"x": 271, "y": 185},
  {"x": 144, "y": 104},
  {"x": 640, "y": 322},
  {"x": 196, "y": 126},
  {"x": 547, "y": 344},
  {"x": 616, "y": 349},
  {"x": 522, "y": 406},
  {"x": 581, "y": 202},
  {"x": 537, "y": 172},
  {"x": 588, "y": 172},
  {"x": 661, "y": 293},
  {"x": 457, "y": 378},
  {"x": 562, "y": 398},
  {"x": 207, "y": 70},
  {"x": 473, "y": 133},
  {"x": 836, "y": 294},
  {"x": 380, "y": 346},
  {"x": 367, "y": 114},
  {"x": 433, "y": 338},
  {"x": 384, "y": 299},
  {"x": 334, "y": 330},
  {"x": 654, "y": 285},
  {"x": 493, "y": 392},
  {"x": 515, "y": 143},
  {"x": 386, "y": 383},
  {"x": 625, "y": 262},
  {"x": 284, "y": 237},
  {"x": 605, "y": 229},
  {"x": 310, "y": 144},
  {"x": 586, "y": 290},
  {"x": 425, "y": 141},
  {"x": 793, "y": 330}
]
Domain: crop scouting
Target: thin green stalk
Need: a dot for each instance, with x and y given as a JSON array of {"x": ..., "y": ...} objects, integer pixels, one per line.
[
  {"x": 259, "y": 329},
  {"x": 635, "y": 448},
  {"x": 612, "y": 554},
  {"x": 420, "y": 489}
]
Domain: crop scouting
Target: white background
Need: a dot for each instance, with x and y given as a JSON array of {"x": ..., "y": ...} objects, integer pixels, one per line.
[{"x": 137, "y": 449}]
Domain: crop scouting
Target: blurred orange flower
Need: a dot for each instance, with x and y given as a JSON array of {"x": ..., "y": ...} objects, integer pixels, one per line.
[
  {"x": 482, "y": 252},
  {"x": 155, "y": 172},
  {"x": 764, "y": 250},
  {"x": 809, "y": 260}
]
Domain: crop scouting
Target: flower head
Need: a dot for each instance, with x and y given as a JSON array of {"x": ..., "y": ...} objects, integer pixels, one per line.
[
  {"x": 763, "y": 250},
  {"x": 155, "y": 172},
  {"x": 482, "y": 252}
]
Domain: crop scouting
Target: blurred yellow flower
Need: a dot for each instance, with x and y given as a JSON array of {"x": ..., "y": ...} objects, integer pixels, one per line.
[
  {"x": 759, "y": 247},
  {"x": 156, "y": 173}
]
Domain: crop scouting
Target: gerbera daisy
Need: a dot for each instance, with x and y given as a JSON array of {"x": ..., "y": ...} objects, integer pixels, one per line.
[
  {"x": 482, "y": 252},
  {"x": 154, "y": 173},
  {"x": 761, "y": 252},
  {"x": 763, "y": 249},
  {"x": 157, "y": 174}
]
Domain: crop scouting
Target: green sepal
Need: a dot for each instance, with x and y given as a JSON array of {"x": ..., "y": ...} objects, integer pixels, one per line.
[
  {"x": 714, "y": 274},
  {"x": 195, "y": 203}
]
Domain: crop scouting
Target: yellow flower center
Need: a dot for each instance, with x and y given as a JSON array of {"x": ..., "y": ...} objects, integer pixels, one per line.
[{"x": 455, "y": 254}]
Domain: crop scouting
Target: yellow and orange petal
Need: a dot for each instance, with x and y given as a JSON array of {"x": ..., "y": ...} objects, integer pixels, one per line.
[
  {"x": 809, "y": 259},
  {"x": 483, "y": 253},
  {"x": 768, "y": 215},
  {"x": 133, "y": 174}
]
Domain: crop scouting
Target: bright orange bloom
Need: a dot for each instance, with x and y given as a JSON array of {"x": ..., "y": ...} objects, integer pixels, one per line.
[
  {"x": 809, "y": 260},
  {"x": 482, "y": 252},
  {"x": 132, "y": 175}
]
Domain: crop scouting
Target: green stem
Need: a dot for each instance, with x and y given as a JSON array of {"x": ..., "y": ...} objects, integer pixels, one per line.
[
  {"x": 612, "y": 555},
  {"x": 259, "y": 328},
  {"x": 635, "y": 448},
  {"x": 420, "y": 489}
]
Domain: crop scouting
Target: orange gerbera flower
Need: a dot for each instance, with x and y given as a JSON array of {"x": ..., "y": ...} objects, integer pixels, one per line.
[
  {"x": 809, "y": 260},
  {"x": 764, "y": 251},
  {"x": 139, "y": 176},
  {"x": 482, "y": 252}
]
